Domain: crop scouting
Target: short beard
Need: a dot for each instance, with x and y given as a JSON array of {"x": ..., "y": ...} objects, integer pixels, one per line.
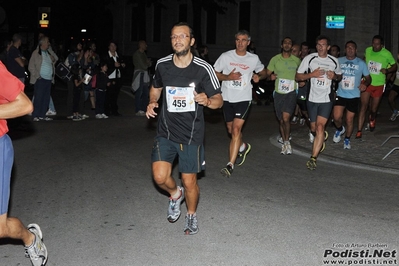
[{"x": 182, "y": 53}]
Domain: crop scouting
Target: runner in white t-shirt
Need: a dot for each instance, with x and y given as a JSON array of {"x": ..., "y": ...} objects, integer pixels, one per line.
[
  {"x": 235, "y": 68},
  {"x": 321, "y": 69}
]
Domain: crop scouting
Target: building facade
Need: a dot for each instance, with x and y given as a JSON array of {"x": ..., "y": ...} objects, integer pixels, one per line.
[{"x": 268, "y": 22}]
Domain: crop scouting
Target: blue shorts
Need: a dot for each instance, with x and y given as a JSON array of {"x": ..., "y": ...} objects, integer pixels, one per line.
[
  {"x": 6, "y": 162},
  {"x": 191, "y": 157}
]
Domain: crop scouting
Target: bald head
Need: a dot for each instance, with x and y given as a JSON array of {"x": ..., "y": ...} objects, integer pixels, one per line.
[
  {"x": 296, "y": 50},
  {"x": 142, "y": 45}
]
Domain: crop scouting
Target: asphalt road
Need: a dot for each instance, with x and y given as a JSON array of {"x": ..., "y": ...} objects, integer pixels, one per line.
[{"x": 88, "y": 185}]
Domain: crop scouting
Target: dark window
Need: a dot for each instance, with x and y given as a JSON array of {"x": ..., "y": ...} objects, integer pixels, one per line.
[
  {"x": 244, "y": 16},
  {"x": 386, "y": 23},
  {"x": 138, "y": 22},
  {"x": 313, "y": 22},
  {"x": 157, "y": 23},
  {"x": 183, "y": 12},
  {"x": 211, "y": 27}
]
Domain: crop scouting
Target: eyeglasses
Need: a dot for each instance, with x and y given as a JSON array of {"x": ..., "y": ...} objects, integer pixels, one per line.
[
  {"x": 180, "y": 37},
  {"x": 242, "y": 40}
]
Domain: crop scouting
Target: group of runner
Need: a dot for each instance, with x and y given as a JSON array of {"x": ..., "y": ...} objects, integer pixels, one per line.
[
  {"x": 331, "y": 87},
  {"x": 187, "y": 84}
]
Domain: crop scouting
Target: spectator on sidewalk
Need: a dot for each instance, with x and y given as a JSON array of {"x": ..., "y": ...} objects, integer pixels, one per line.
[
  {"x": 41, "y": 67},
  {"x": 51, "y": 107},
  {"x": 115, "y": 65},
  {"x": 74, "y": 57},
  {"x": 15, "y": 60},
  {"x": 77, "y": 78},
  {"x": 101, "y": 88},
  {"x": 4, "y": 51},
  {"x": 141, "y": 78}
]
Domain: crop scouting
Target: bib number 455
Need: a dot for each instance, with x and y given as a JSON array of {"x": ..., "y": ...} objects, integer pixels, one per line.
[{"x": 179, "y": 103}]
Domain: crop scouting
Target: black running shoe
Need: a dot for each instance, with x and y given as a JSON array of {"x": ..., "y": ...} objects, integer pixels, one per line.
[
  {"x": 227, "y": 171},
  {"x": 242, "y": 155}
]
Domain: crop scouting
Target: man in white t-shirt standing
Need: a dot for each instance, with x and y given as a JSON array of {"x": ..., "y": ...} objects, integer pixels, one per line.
[
  {"x": 321, "y": 69},
  {"x": 235, "y": 68}
]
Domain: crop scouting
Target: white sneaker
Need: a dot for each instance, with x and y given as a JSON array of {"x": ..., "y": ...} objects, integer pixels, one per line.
[
  {"x": 37, "y": 252},
  {"x": 338, "y": 134},
  {"x": 174, "y": 206},
  {"x": 140, "y": 113},
  {"x": 104, "y": 116},
  {"x": 311, "y": 137},
  {"x": 288, "y": 149},
  {"x": 347, "y": 144},
  {"x": 84, "y": 116},
  {"x": 51, "y": 113},
  {"x": 281, "y": 141},
  {"x": 76, "y": 118},
  {"x": 283, "y": 149},
  {"x": 99, "y": 116}
]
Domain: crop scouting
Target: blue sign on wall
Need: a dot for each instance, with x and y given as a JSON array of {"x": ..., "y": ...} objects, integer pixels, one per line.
[{"x": 335, "y": 22}]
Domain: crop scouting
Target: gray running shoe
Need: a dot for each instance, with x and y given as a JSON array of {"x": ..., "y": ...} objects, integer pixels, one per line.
[
  {"x": 227, "y": 171},
  {"x": 174, "y": 206},
  {"x": 191, "y": 225},
  {"x": 242, "y": 155},
  {"x": 37, "y": 252},
  {"x": 394, "y": 116}
]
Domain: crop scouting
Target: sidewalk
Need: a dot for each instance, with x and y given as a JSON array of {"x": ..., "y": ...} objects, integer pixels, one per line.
[{"x": 366, "y": 153}]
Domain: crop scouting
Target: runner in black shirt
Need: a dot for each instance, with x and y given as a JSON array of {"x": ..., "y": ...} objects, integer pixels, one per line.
[{"x": 187, "y": 84}]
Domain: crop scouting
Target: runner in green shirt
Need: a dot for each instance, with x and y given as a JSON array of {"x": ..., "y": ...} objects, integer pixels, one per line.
[
  {"x": 380, "y": 62},
  {"x": 282, "y": 68}
]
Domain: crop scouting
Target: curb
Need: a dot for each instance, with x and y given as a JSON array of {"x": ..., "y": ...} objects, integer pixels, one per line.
[{"x": 298, "y": 150}]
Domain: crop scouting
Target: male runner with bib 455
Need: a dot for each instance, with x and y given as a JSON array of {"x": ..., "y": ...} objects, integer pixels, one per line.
[{"x": 187, "y": 84}]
